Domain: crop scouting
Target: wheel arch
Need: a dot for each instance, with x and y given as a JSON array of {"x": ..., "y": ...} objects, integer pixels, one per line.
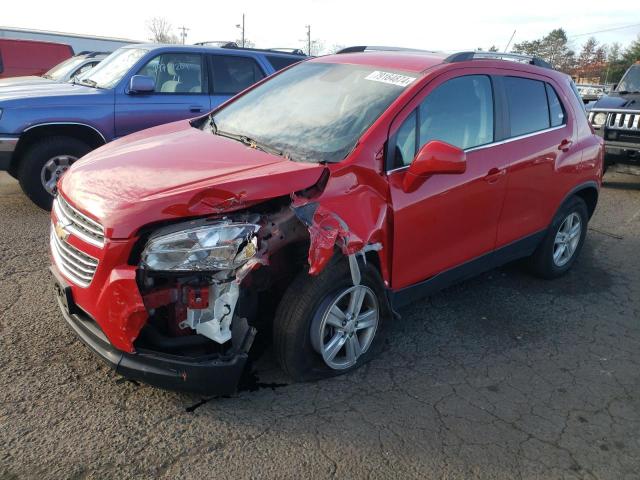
[
  {"x": 589, "y": 193},
  {"x": 81, "y": 131}
]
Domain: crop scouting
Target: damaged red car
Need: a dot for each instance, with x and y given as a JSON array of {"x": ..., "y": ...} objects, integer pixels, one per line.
[{"x": 313, "y": 205}]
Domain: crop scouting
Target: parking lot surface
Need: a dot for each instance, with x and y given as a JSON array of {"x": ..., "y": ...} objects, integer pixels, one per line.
[{"x": 503, "y": 376}]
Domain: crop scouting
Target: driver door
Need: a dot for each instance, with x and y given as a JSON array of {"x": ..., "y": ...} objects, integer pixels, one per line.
[
  {"x": 449, "y": 219},
  {"x": 181, "y": 91}
]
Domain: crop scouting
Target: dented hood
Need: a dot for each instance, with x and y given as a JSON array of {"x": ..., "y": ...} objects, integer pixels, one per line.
[{"x": 176, "y": 171}]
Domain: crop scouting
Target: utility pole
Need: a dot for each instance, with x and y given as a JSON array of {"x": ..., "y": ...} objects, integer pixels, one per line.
[
  {"x": 241, "y": 26},
  {"x": 506, "y": 49},
  {"x": 183, "y": 33},
  {"x": 308, "y": 39}
]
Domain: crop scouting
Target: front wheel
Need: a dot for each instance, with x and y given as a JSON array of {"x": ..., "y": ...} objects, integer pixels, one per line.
[
  {"x": 563, "y": 241},
  {"x": 42, "y": 165},
  {"x": 325, "y": 325}
]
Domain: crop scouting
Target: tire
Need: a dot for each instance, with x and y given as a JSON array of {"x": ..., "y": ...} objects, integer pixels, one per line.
[
  {"x": 302, "y": 309},
  {"x": 57, "y": 153},
  {"x": 543, "y": 263}
]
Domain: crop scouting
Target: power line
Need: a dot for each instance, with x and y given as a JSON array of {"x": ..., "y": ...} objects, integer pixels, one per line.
[{"x": 605, "y": 30}]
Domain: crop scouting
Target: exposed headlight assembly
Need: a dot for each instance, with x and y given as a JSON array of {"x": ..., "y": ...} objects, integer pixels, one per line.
[
  {"x": 218, "y": 246},
  {"x": 599, "y": 119}
]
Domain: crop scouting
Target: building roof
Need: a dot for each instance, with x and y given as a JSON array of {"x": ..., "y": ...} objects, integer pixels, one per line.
[{"x": 65, "y": 34}]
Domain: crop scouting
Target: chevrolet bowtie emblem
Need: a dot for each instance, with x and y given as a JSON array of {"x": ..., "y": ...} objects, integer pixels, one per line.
[{"x": 61, "y": 232}]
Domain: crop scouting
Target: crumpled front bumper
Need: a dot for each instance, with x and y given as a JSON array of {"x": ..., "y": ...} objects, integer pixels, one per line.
[{"x": 207, "y": 375}]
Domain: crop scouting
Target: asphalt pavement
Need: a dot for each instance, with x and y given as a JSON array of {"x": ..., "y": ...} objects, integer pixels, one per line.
[{"x": 504, "y": 376}]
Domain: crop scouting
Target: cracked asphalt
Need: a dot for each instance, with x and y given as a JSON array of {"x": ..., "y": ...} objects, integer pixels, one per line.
[{"x": 504, "y": 376}]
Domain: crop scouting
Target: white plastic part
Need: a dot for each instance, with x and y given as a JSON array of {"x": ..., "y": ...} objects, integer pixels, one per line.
[{"x": 214, "y": 322}]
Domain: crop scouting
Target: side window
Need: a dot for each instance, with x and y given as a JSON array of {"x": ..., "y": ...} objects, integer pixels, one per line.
[
  {"x": 574, "y": 89},
  {"x": 175, "y": 73},
  {"x": 232, "y": 74},
  {"x": 406, "y": 142},
  {"x": 459, "y": 112},
  {"x": 556, "y": 112},
  {"x": 528, "y": 109},
  {"x": 278, "y": 63}
]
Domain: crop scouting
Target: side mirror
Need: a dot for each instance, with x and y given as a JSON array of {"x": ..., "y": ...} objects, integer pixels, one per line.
[
  {"x": 141, "y": 84},
  {"x": 433, "y": 158}
]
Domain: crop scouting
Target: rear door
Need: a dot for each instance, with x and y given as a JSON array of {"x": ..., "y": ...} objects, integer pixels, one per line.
[
  {"x": 540, "y": 153},
  {"x": 230, "y": 74},
  {"x": 181, "y": 91}
]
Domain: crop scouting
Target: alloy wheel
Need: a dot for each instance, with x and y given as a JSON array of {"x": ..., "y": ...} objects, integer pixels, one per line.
[
  {"x": 53, "y": 170},
  {"x": 344, "y": 330},
  {"x": 567, "y": 239}
]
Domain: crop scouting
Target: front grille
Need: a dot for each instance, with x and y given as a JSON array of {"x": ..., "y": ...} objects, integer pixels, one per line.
[
  {"x": 619, "y": 120},
  {"x": 78, "y": 223},
  {"x": 623, "y": 121},
  {"x": 77, "y": 266}
]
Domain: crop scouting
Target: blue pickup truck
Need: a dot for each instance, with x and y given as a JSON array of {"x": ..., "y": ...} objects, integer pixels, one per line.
[{"x": 45, "y": 128}]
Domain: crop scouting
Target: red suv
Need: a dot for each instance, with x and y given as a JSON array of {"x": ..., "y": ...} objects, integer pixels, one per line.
[{"x": 312, "y": 205}]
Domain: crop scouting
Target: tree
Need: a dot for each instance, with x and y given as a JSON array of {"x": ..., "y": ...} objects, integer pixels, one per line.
[
  {"x": 160, "y": 30},
  {"x": 618, "y": 61},
  {"x": 317, "y": 47},
  {"x": 614, "y": 52},
  {"x": 632, "y": 53},
  {"x": 553, "y": 48},
  {"x": 587, "y": 54},
  {"x": 247, "y": 43},
  {"x": 592, "y": 61}
]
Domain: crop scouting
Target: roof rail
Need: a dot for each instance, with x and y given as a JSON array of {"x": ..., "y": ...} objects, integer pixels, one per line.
[
  {"x": 90, "y": 53},
  {"x": 218, "y": 43},
  {"x": 235, "y": 46},
  {"x": 292, "y": 50},
  {"x": 513, "y": 57},
  {"x": 369, "y": 48}
]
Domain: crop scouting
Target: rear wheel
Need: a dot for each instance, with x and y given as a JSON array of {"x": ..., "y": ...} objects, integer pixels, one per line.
[
  {"x": 563, "y": 240},
  {"x": 325, "y": 325},
  {"x": 42, "y": 165}
]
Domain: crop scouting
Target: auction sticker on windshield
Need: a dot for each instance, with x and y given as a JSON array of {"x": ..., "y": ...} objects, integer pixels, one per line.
[{"x": 390, "y": 78}]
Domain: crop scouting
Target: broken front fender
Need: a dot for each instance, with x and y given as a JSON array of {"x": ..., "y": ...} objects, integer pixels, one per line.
[{"x": 350, "y": 213}]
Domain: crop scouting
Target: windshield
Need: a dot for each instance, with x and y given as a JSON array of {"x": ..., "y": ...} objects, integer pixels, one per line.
[
  {"x": 314, "y": 112},
  {"x": 60, "y": 71},
  {"x": 110, "y": 70},
  {"x": 631, "y": 80}
]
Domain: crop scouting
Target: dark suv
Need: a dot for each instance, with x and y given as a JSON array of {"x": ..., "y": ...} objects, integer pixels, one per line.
[
  {"x": 313, "y": 205},
  {"x": 616, "y": 118}
]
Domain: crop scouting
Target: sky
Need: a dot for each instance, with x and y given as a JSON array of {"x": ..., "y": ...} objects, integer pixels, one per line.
[{"x": 445, "y": 25}]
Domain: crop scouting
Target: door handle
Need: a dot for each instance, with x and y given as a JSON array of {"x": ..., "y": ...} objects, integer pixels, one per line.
[
  {"x": 494, "y": 174},
  {"x": 565, "y": 144},
  {"x": 195, "y": 108}
]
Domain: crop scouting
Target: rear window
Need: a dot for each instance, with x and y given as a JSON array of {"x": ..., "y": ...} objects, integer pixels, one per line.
[
  {"x": 528, "y": 109},
  {"x": 233, "y": 74},
  {"x": 278, "y": 63}
]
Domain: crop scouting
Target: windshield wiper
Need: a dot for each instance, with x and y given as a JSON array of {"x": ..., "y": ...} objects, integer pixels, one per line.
[
  {"x": 86, "y": 81},
  {"x": 250, "y": 142}
]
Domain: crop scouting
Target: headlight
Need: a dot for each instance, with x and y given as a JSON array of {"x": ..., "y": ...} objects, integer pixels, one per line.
[
  {"x": 599, "y": 119},
  {"x": 221, "y": 246}
]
